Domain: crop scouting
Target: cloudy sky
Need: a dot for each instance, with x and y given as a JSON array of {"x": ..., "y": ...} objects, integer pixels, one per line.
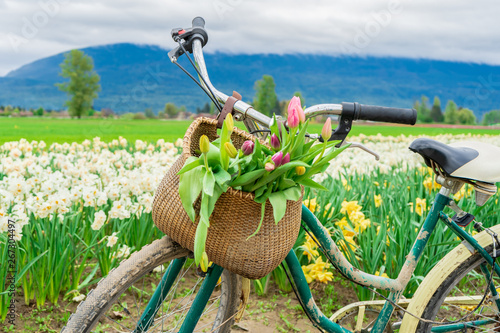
[{"x": 460, "y": 30}]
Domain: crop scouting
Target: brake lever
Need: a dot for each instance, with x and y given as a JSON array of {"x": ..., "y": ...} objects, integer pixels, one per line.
[{"x": 362, "y": 147}]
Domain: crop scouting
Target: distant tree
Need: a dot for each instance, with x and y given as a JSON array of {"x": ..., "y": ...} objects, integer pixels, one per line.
[
  {"x": 205, "y": 108},
  {"x": 423, "y": 112},
  {"x": 171, "y": 110},
  {"x": 451, "y": 113},
  {"x": 436, "y": 113},
  {"x": 139, "y": 116},
  {"x": 38, "y": 112},
  {"x": 491, "y": 118},
  {"x": 83, "y": 84},
  {"x": 265, "y": 99},
  {"x": 90, "y": 112},
  {"x": 107, "y": 112},
  {"x": 283, "y": 105},
  {"x": 149, "y": 113},
  {"x": 466, "y": 117}
]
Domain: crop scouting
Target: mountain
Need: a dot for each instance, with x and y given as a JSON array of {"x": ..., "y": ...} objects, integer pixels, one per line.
[{"x": 134, "y": 77}]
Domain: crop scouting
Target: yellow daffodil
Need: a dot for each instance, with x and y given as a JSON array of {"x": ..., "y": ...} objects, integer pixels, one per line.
[
  {"x": 421, "y": 206},
  {"x": 349, "y": 206},
  {"x": 378, "y": 200},
  {"x": 311, "y": 204}
]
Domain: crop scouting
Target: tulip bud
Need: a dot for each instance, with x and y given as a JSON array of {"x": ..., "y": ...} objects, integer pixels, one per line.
[
  {"x": 295, "y": 105},
  {"x": 204, "y": 262},
  {"x": 326, "y": 132},
  {"x": 229, "y": 123},
  {"x": 275, "y": 142},
  {"x": 204, "y": 144},
  {"x": 277, "y": 158},
  {"x": 247, "y": 147},
  {"x": 300, "y": 170},
  {"x": 269, "y": 167},
  {"x": 230, "y": 149},
  {"x": 286, "y": 159}
]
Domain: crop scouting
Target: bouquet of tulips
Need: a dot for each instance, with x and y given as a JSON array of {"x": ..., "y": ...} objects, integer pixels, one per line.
[{"x": 273, "y": 172}]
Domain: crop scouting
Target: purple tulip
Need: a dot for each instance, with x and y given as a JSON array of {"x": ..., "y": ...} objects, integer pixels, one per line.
[
  {"x": 286, "y": 159},
  {"x": 247, "y": 147},
  {"x": 275, "y": 142},
  {"x": 277, "y": 158}
]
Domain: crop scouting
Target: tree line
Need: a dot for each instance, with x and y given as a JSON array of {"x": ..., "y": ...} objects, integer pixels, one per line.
[
  {"x": 452, "y": 113},
  {"x": 83, "y": 86}
]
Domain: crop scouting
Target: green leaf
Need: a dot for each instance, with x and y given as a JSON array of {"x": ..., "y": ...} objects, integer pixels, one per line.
[
  {"x": 190, "y": 186},
  {"x": 265, "y": 195},
  {"x": 204, "y": 210},
  {"x": 311, "y": 183},
  {"x": 200, "y": 238},
  {"x": 258, "y": 192},
  {"x": 262, "y": 213},
  {"x": 191, "y": 163},
  {"x": 286, "y": 183},
  {"x": 278, "y": 201},
  {"x": 299, "y": 141},
  {"x": 257, "y": 151},
  {"x": 293, "y": 193},
  {"x": 284, "y": 134},
  {"x": 274, "y": 127},
  {"x": 221, "y": 176},
  {"x": 213, "y": 155},
  {"x": 318, "y": 167},
  {"x": 267, "y": 151},
  {"x": 278, "y": 172},
  {"x": 248, "y": 178},
  {"x": 209, "y": 183},
  {"x": 213, "y": 199}
]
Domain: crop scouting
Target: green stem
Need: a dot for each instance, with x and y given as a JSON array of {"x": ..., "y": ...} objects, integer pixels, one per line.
[
  {"x": 322, "y": 152},
  {"x": 205, "y": 158}
]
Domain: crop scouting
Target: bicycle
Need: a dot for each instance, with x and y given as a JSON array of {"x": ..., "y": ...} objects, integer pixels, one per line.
[{"x": 217, "y": 297}]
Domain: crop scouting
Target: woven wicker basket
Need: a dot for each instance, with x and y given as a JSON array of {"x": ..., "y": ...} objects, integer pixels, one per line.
[{"x": 235, "y": 217}]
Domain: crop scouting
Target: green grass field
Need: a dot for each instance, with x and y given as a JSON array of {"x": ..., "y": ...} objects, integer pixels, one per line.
[{"x": 70, "y": 130}]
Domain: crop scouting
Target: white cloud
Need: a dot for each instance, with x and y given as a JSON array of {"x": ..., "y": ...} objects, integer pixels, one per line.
[{"x": 450, "y": 30}]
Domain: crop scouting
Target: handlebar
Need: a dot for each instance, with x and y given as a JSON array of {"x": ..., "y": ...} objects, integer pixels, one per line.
[{"x": 197, "y": 38}]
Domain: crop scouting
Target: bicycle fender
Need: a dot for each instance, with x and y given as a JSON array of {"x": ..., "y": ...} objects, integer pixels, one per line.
[{"x": 436, "y": 277}]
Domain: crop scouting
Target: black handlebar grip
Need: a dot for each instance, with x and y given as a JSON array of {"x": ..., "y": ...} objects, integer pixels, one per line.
[
  {"x": 199, "y": 31},
  {"x": 380, "y": 113},
  {"x": 198, "y": 22}
]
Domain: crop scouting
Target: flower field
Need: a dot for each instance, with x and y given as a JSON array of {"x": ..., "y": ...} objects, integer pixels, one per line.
[{"x": 78, "y": 209}]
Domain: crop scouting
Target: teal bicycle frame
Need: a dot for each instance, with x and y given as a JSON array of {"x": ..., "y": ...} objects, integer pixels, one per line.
[{"x": 394, "y": 286}]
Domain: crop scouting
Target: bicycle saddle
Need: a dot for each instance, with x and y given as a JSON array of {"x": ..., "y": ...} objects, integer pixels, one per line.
[{"x": 469, "y": 160}]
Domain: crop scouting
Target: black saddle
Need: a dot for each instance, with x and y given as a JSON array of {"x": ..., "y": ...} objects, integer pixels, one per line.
[{"x": 447, "y": 157}]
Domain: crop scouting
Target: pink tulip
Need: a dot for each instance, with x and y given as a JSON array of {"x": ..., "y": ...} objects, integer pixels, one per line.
[
  {"x": 286, "y": 159},
  {"x": 326, "y": 132},
  {"x": 295, "y": 104},
  {"x": 293, "y": 118},
  {"x": 247, "y": 147},
  {"x": 277, "y": 158},
  {"x": 269, "y": 167},
  {"x": 275, "y": 142}
]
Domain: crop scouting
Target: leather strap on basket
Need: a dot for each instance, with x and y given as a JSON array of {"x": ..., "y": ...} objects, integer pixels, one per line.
[{"x": 228, "y": 108}]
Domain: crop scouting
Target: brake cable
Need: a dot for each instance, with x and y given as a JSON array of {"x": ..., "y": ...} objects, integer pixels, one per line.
[{"x": 211, "y": 95}]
